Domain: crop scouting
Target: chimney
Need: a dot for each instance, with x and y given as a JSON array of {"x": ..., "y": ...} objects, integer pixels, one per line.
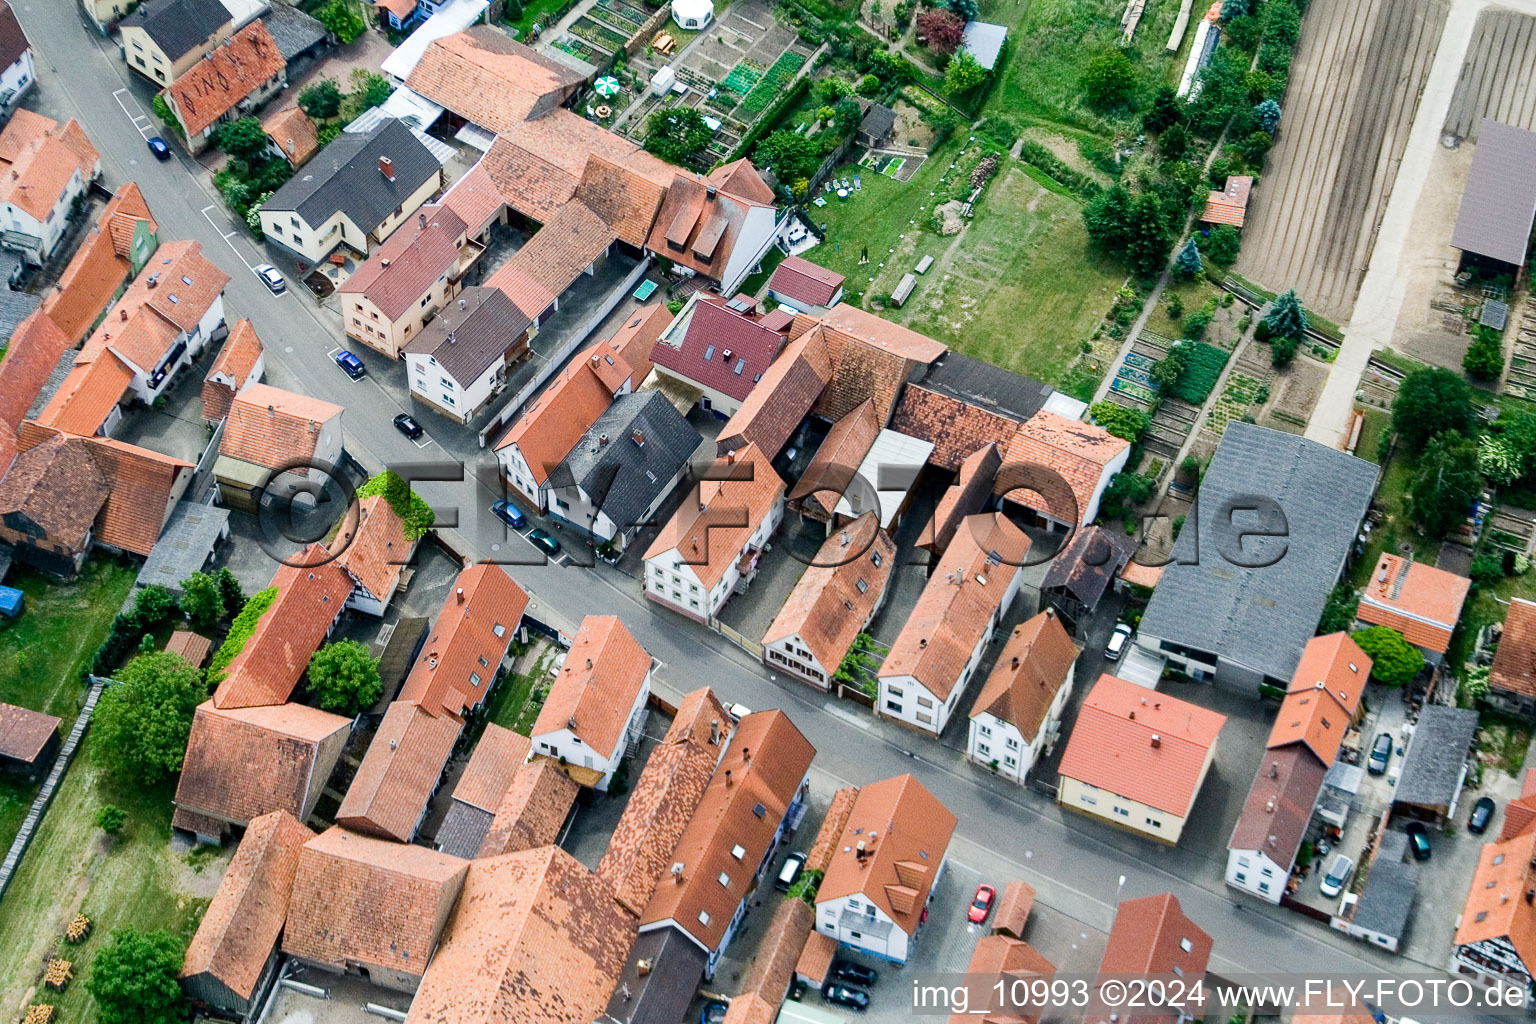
[
  {"x": 859, "y": 850},
  {"x": 643, "y": 966},
  {"x": 709, "y": 193},
  {"x": 638, "y": 436},
  {"x": 727, "y": 777},
  {"x": 677, "y": 872},
  {"x": 844, "y": 540},
  {"x": 387, "y": 167},
  {"x": 746, "y": 754},
  {"x": 122, "y": 314},
  {"x": 432, "y": 660},
  {"x": 1015, "y": 662},
  {"x": 421, "y": 221},
  {"x": 589, "y": 664},
  {"x": 1157, "y": 741},
  {"x": 602, "y": 439},
  {"x": 1270, "y": 806},
  {"x": 730, "y": 457},
  {"x": 1133, "y": 716},
  {"x": 714, "y": 731},
  {"x": 462, "y": 303},
  {"x": 922, "y": 642},
  {"x": 1274, "y": 769},
  {"x": 459, "y": 593},
  {"x": 393, "y": 744},
  {"x": 271, "y": 412},
  {"x": 570, "y": 723}
]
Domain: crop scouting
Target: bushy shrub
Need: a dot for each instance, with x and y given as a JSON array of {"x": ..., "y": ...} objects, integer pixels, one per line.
[{"x": 240, "y": 632}]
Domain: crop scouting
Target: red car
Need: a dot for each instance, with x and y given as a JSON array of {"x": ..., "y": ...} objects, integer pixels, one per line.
[{"x": 981, "y": 906}]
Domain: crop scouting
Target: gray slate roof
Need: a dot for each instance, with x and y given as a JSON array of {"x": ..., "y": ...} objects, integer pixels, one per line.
[
  {"x": 878, "y": 121},
  {"x": 1261, "y": 618},
  {"x": 1436, "y": 755},
  {"x": 1389, "y": 888},
  {"x": 622, "y": 477},
  {"x": 986, "y": 386},
  {"x": 473, "y": 334},
  {"x": 1499, "y": 201},
  {"x": 464, "y": 828},
  {"x": 178, "y": 26},
  {"x": 292, "y": 29},
  {"x": 663, "y": 995},
  {"x": 345, "y": 176},
  {"x": 14, "y": 308},
  {"x": 984, "y": 42},
  {"x": 189, "y": 537},
  {"x": 1089, "y": 564},
  {"x": 13, "y": 41},
  {"x": 55, "y": 381}
]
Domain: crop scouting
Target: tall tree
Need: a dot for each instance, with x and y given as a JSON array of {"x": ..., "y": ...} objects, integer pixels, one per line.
[
  {"x": 963, "y": 74},
  {"x": 676, "y": 134},
  {"x": 1267, "y": 114},
  {"x": 141, "y": 724},
  {"x": 1189, "y": 259},
  {"x": 344, "y": 678},
  {"x": 1429, "y": 402},
  {"x": 1286, "y": 318},
  {"x": 1165, "y": 111},
  {"x": 1394, "y": 661},
  {"x": 229, "y": 590},
  {"x": 133, "y": 979},
  {"x": 1108, "y": 80},
  {"x": 1446, "y": 482},
  {"x": 942, "y": 29},
  {"x": 202, "y": 601},
  {"x": 343, "y": 20},
  {"x": 321, "y": 100},
  {"x": 242, "y": 138}
]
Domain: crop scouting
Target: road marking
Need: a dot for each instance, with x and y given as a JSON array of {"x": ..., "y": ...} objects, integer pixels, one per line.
[
  {"x": 423, "y": 442},
  {"x": 138, "y": 120},
  {"x": 333, "y": 353},
  {"x": 226, "y": 235}
]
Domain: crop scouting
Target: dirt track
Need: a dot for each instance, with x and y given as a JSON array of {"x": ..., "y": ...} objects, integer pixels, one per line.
[
  {"x": 1354, "y": 86},
  {"x": 1498, "y": 78}
]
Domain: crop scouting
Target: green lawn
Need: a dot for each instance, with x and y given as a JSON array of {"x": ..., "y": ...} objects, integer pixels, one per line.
[
  {"x": 512, "y": 705},
  {"x": 1019, "y": 288},
  {"x": 1394, "y": 529},
  {"x": 1193, "y": 292}
]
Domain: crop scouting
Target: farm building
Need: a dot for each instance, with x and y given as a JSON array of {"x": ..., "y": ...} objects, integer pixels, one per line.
[{"x": 1493, "y": 226}]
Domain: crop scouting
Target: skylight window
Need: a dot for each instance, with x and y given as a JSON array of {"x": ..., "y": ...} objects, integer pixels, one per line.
[
  {"x": 709, "y": 353},
  {"x": 741, "y": 364},
  {"x": 185, "y": 279}
]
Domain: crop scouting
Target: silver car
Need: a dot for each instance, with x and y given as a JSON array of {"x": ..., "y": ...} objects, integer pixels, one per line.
[
  {"x": 1337, "y": 877},
  {"x": 1117, "y": 642}
]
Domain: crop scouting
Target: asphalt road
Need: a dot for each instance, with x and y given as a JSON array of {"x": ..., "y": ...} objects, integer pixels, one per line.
[{"x": 1004, "y": 831}]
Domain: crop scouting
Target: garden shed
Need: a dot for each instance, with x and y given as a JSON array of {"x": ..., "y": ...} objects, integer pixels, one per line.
[
  {"x": 984, "y": 42},
  {"x": 693, "y": 14}
]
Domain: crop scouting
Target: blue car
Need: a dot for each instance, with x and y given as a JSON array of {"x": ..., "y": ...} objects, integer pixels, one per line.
[
  {"x": 158, "y": 147},
  {"x": 351, "y": 365},
  {"x": 509, "y": 514}
]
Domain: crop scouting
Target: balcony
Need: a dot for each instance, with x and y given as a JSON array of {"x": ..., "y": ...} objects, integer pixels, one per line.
[{"x": 469, "y": 254}]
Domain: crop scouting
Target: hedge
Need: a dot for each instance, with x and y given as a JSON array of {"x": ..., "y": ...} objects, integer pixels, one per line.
[
  {"x": 1076, "y": 181},
  {"x": 240, "y": 632},
  {"x": 1202, "y": 367}
]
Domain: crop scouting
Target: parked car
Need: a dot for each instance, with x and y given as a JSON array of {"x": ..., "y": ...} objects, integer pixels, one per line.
[
  {"x": 713, "y": 1013},
  {"x": 1418, "y": 840},
  {"x": 158, "y": 147},
  {"x": 790, "y": 872},
  {"x": 351, "y": 365},
  {"x": 1117, "y": 642},
  {"x": 1381, "y": 753},
  {"x": 272, "y": 278},
  {"x": 408, "y": 426},
  {"x": 1482, "y": 815},
  {"x": 738, "y": 712},
  {"x": 981, "y": 904},
  {"x": 1337, "y": 877},
  {"x": 857, "y": 974},
  {"x": 509, "y": 514},
  {"x": 842, "y": 995},
  {"x": 543, "y": 541}
]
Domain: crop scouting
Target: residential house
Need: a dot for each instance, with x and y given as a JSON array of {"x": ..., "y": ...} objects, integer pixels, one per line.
[
  {"x": 1245, "y": 620},
  {"x": 31, "y": 354},
  {"x": 373, "y": 549},
  {"x": 417, "y": 271},
  {"x": 804, "y": 287},
  {"x": 459, "y": 361},
  {"x": 834, "y": 470},
  {"x": 1230, "y": 205},
  {"x": 487, "y": 79},
  {"x": 718, "y": 228},
  {"x": 664, "y": 800},
  {"x": 20, "y": 73},
  {"x": 1137, "y": 758},
  {"x": 1153, "y": 937},
  {"x": 716, "y": 352},
  {"x": 232, "y": 959},
  {"x": 1009, "y": 958},
  {"x": 1418, "y": 600},
  {"x": 476, "y": 200},
  {"x": 534, "y": 810},
  {"x": 886, "y": 864},
  {"x": 291, "y": 135},
  {"x": 399, "y": 773},
  {"x": 112, "y": 254},
  {"x": 162, "y": 39},
  {"x": 244, "y": 762},
  {"x": 354, "y": 192},
  {"x": 963, "y": 404},
  {"x": 535, "y": 937},
  {"x": 366, "y": 906},
  {"x": 772, "y": 971},
  {"x": 624, "y": 360},
  {"x": 774, "y": 409},
  {"x": 1495, "y": 939},
  {"x": 1057, "y": 469},
  {"x": 276, "y": 444},
  {"x": 595, "y": 711},
  {"x": 933, "y": 657},
  {"x": 29, "y": 741},
  {"x": 872, "y": 359},
  {"x": 969, "y": 494},
  {"x": 549, "y": 428},
  {"x": 757, "y": 794},
  {"x": 1017, "y": 714},
  {"x": 44, "y": 169},
  {"x": 1082, "y": 573},
  {"x": 833, "y": 602},
  {"x": 235, "y": 78},
  {"x": 1323, "y": 702},
  {"x": 617, "y": 475},
  {"x": 567, "y": 247},
  {"x": 710, "y": 547},
  {"x": 493, "y": 765},
  {"x": 1512, "y": 678},
  {"x": 1436, "y": 764},
  {"x": 240, "y": 361}
]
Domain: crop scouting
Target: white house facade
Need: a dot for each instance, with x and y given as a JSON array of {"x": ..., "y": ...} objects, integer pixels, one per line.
[
  {"x": 566, "y": 746},
  {"x": 671, "y": 581},
  {"x": 1256, "y": 873},
  {"x": 993, "y": 739}
]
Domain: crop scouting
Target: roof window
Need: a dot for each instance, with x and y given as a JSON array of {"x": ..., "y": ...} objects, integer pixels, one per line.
[
  {"x": 709, "y": 353},
  {"x": 738, "y": 851},
  {"x": 759, "y": 810},
  {"x": 741, "y": 364}
]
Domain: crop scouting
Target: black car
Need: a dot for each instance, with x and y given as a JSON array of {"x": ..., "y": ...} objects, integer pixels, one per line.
[
  {"x": 842, "y": 995},
  {"x": 543, "y": 541},
  {"x": 1418, "y": 840},
  {"x": 1482, "y": 814},
  {"x": 1381, "y": 753},
  {"x": 858, "y": 974},
  {"x": 408, "y": 426}
]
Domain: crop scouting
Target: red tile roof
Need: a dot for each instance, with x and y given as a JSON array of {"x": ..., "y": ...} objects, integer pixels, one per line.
[
  {"x": 25, "y": 733},
  {"x": 274, "y": 428},
  {"x": 824, "y": 847},
  {"x": 742, "y": 179},
  {"x": 1011, "y": 957},
  {"x": 709, "y": 533},
  {"x": 717, "y": 341},
  {"x": 399, "y": 773},
  {"x": 228, "y": 74},
  {"x": 800, "y": 280},
  {"x": 836, "y": 597},
  {"x": 532, "y": 811},
  {"x": 1323, "y": 696},
  {"x": 232, "y": 369},
  {"x": 246, "y": 762},
  {"x": 1148, "y": 937},
  {"x": 474, "y": 199},
  {"x": 831, "y": 470},
  {"x": 293, "y": 133},
  {"x": 630, "y": 347},
  {"x": 57, "y": 487},
  {"x": 1520, "y": 812},
  {"x": 1230, "y": 205},
  {"x": 145, "y": 486},
  {"x": 559, "y": 252},
  {"x": 89, "y": 393},
  {"x": 773, "y": 967},
  {"x": 1142, "y": 745},
  {"x": 535, "y": 939},
  {"x": 955, "y": 609},
  {"x": 30, "y": 357},
  {"x": 1496, "y": 907},
  {"x": 552, "y": 424},
  {"x": 1279, "y": 805},
  {"x": 100, "y": 266},
  {"x": 1076, "y": 452},
  {"x": 409, "y": 263},
  {"x": 1514, "y": 663},
  {"x": 1418, "y": 600},
  {"x": 493, "y": 764},
  {"x": 38, "y": 159},
  {"x": 192, "y": 647},
  {"x": 912, "y": 830},
  {"x": 966, "y": 496},
  {"x": 871, "y": 359},
  {"x": 781, "y": 399},
  {"x": 364, "y": 901},
  {"x": 956, "y": 428},
  {"x": 1013, "y": 908},
  {"x": 697, "y": 229},
  {"x": 239, "y": 929},
  {"x": 764, "y": 765},
  {"x": 1031, "y": 669},
  {"x": 482, "y": 75},
  {"x": 372, "y": 548},
  {"x": 604, "y": 673},
  {"x": 470, "y": 637},
  {"x": 626, "y": 199}
]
